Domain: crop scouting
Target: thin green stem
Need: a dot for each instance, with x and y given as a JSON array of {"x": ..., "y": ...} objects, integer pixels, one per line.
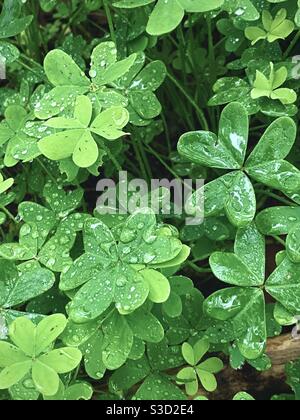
[
  {"x": 198, "y": 269},
  {"x": 200, "y": 113},
  {"x": 110, "y": 21},
  {"x": 167, "y": 131},
  {"x": 46, "y": 170},
  {"x": 278, "y": 239},
  {"x": 162, "y": 161},
  {"x": 145, "y": 159},
  {"x": 8, "y": 214},
  {"x": 139, "y": 158},
  {"x": 112, "y": 157},
  {"x": 292, "y": 45}
]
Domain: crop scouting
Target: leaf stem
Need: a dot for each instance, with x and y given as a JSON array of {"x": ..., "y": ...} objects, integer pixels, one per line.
[
  {"x": 278, "y": 239},
  {"x": 201, "y": 115},
  {"x": 110, "y": 21},
  {"x": 292, "y": 45},
  {"x": 9, "y": 214},
  {"x": 198, "y": 269},
  {"x": 111, "y": 157},
  {"x": 46, "y": 170}
]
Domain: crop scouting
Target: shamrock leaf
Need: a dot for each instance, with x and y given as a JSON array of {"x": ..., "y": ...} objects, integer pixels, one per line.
[
  {"x": 270, "y": 87},
  {"x": 244, "y": 305},
  {"x": 31, "y": 352},
  {"x": 18, "y": 285},
  {"x": 75, "y": 392},
  {"x": 204, "y": 371},
  {"x": 70, "y": 81},
  {"x": 244, "y": 9},
  {"x": 167, "y": 15},
  {"x": 140, "y": 83},
  {"x": 19, "y": 146},
  {"x": 149, "y": 370},
  {"x": 11, "y": 22},
  {"x": 116, "y": 337},
  {"x": 261, "y": 91},
  {"x": 282, "y": 221},
  {"x": 234, "y": 192},
  {"x": 243, "y": 396},
  {"x": 131, "y": 262},
  {"x": 5, "y": 185},
  {"x": 77, "y": 139},
  {"x": 34, "y": 241},
  {"x": 282, "y": 284},
  {"x": 273, "y": 29}
]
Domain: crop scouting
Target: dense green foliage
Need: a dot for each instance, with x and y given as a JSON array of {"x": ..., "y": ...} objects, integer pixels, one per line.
[{"x": 143, "y": 306}]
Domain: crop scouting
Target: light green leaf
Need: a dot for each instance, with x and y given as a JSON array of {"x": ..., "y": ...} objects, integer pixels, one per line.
[
  {"x": 22, "y": 334},
  {"x": 63, "y": 360},
  {"x": 60, "y": 145},
  {"x": 166, "y": 16},
  {"x": 86, "y": 152},
  {"x": 110, "y": 122},
  {"x": 159, "y": 285},
  {"x": 62, "y": 70},
  {"x": 207, "y": 380},
  {"x": 118, "y": 341},
  {"x": 13, "y": 374},
  {"x": 47, "y": 331},
  {"x": 188, "y": 377},
  {"x": 10, "y": 355},
  {"x": 188, "y": 354},
  {"x": 45, "y": 379},
  {"x": 212, "y": 365},
  {"x": 200, "y": 349}
]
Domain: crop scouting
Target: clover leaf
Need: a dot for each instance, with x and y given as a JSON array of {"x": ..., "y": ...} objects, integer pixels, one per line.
[
  {"x": 77, "y": 391},
  {"x": 243, "y": 9},
  {"x": 5, "y": 184},
  {"x": 11, "y": 22},
  {"x": 36, "y": 239},
  {"x": 243, "y": 396},
  {"x": 260, "y": 91},
  {"x": 244, "y": 304},
  {"x": 234, "y": 191},
  {"x": 77, "y": 140},
  {"x": 273, "y": 28},
  {"x": 18, "y": 285},
  {"x": 122, "y": 270},
  {"x": 140, "y": 83},
  {"x": 19, "y": 146},
  {"x": 204, "y": 371},
  {"x": 149, "y": 370},
  {"x": 167, "y": 15},
  {"x": 115, "y": 337},
  {"x": 32, "y": 351},
  {"x": 70, "y": 81},
  {"x": 282, "y": 221},
  {"x": 271, "y": 87},
  {"x": 283, "y": 282}
]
